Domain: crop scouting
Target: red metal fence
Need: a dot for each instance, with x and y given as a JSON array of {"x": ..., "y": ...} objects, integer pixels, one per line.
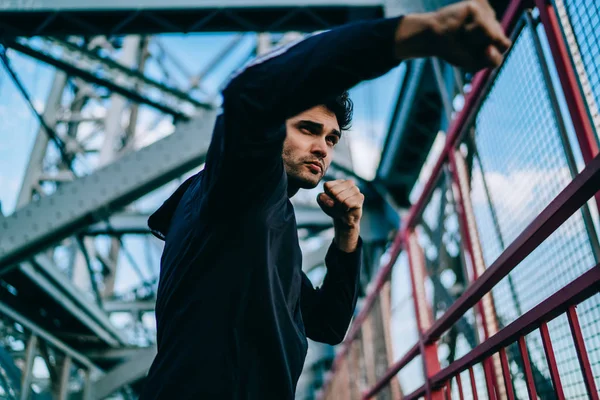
[{"x": 523, "y": 262}]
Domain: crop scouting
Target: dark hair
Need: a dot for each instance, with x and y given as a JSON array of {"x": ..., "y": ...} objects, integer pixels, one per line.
[{"x": 342, "y": 107}]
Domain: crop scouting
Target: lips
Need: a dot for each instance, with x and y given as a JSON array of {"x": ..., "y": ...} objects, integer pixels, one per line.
[{"x": 315, "y": 166}]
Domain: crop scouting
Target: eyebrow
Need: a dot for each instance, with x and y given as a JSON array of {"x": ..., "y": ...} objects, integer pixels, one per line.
[{"x": 318, "y": 126}]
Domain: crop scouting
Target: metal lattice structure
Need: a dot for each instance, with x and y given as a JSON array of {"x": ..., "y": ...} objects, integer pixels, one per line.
[
  {"x": 114, "y": 138},
  {"x": 65, "y": 17},
  {"x": 477, "y": 292},
  {"x": 498, "y": 226}
]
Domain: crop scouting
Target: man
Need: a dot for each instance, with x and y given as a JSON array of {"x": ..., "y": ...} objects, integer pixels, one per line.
[{"x": 234, "y": 307}]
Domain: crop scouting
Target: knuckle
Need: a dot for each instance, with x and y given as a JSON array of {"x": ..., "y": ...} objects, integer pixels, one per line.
[{"x": 471, "y": 6}]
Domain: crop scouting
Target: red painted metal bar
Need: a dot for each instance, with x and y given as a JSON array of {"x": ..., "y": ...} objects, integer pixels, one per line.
[
  {"x": 582, "y": 355},
  {"x": 370, "y": 300},
  {"x": 569, "y": 81},
  {"x": 489, "y": 379},
  {"x": 390, "y": 373},
  {"x": 570, "y": 84},
  {"x": 473, "y": 384},
  {"x": 471, "y": 243},
  {"x": 555, "y": 214},
  {"x": 506, "y": 374},
  {"x": 431, "y": 364},
  {"x": 575, "y": 292},
  {"x": 472, "y": 99},
  {"x": 395, "y": 249},
  {"x": 549, "y": 350},
  {"x": 420, "y": 392},
  {"x": 461, "y": 395},
  {"x": 478, "y": 85},
  {"x": 527, "y": 367},
  {"x": 558, "y": 211},
  {"x": 448, "y": 391}
]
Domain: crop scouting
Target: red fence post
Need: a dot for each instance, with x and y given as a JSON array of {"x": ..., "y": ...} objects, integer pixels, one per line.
[
  {"x": 473, "y": 385},
  {"x": 527, "y": 367},
  {"x": 470, "y": 236},
  {"x": 549, "y": 350},
  {"x": 506, "y": 373},
  {"x": 582, "y": 355},
  {"x": 431, "y": 364},
  {"x": 569, "y": 81},
  {"x": 461, "y": 396}
]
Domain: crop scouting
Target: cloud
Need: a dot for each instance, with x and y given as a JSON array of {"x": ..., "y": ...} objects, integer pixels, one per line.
[
  {"x": 365, "y": 138},
  {"x": 517, "y": 189},
  {"x": 39, "y": 105},
  {"x": 9, "y": 187},
  {"x": 518, "y": 197},
  {"x": 365, "y": 157}
]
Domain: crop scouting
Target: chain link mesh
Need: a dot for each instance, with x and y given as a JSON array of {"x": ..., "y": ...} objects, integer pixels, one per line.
[
  {"x": 582, "y": 32},
  {"x": 519, "y": 166}
]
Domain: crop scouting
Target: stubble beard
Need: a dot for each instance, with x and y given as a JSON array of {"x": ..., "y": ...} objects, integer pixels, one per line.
[{"x": 298, "y": 175}]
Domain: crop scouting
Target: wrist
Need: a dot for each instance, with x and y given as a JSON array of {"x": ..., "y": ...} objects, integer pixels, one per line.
[
  {"x": 415, "y": 36},
  {"x": 341, "y": 226},
  {"x": 346, "y": 237}
]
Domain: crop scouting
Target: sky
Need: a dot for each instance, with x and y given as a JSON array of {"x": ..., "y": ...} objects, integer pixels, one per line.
[
  {"x": 185, "y": 55},
  {"x": 521, "y": 159},
  {"x": 373, "y": 103}
]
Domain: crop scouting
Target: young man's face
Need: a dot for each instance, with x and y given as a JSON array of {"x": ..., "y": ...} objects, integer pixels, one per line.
[{"x": 308, "y": 146}]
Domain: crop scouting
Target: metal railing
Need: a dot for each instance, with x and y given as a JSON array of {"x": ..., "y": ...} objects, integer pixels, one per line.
[{"x": 509, "y": 348}]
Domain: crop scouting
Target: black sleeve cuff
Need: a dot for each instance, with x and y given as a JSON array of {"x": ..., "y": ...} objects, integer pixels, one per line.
[{"x": 342, "y": 264}]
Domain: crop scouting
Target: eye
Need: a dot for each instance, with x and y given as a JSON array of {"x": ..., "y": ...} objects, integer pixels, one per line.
[{"x": 332, "y": 139}]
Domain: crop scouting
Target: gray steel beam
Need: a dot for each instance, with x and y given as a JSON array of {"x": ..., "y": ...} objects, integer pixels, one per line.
[
  {"x": 110, "y": 74},
  {"x": 65, "y": 375},
  {"x": 112, "y": 17},
  {"x": 33, "y": 170},
  {"x": 126, "y": 373},
  {"x": 133, "y": 223},
  {"x": 122, "y": 223},
  {"x": 112, "y": 355},
  {"x": 48, "y": 278},
  {"x": 31, "y": 352},
  {"x": 129, "y": 306},
  {"x": 92, "y": 198},
  {"x": 48, "y": 337},
  {"x": 109, "y": 5}
]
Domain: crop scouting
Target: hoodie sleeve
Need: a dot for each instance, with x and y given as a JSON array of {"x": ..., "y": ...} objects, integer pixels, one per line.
[
  {"x": 244, "y": 157},
  {"x": 328, "y": 310}
]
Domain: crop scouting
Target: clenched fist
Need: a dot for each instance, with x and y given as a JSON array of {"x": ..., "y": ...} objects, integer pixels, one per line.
[
  {"x": 466, "y": 34},
  {"x": 342, "y": 201}
]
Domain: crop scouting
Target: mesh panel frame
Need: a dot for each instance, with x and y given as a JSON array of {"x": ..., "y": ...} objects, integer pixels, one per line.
[
  {"x": 580, "y": 20},
  {"x": 519, "y": 167}
]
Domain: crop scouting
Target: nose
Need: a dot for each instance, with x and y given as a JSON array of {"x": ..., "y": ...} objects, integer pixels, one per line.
[{"x": 319, "y": 149}]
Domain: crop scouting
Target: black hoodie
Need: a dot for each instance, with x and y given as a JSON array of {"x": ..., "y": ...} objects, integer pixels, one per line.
[{"x": 234, "y": 307}]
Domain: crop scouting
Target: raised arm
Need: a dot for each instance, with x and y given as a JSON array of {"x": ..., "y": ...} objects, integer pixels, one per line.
[
  {"x": 244, "y": 159},
  {"x": 246, "y": 147}
]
